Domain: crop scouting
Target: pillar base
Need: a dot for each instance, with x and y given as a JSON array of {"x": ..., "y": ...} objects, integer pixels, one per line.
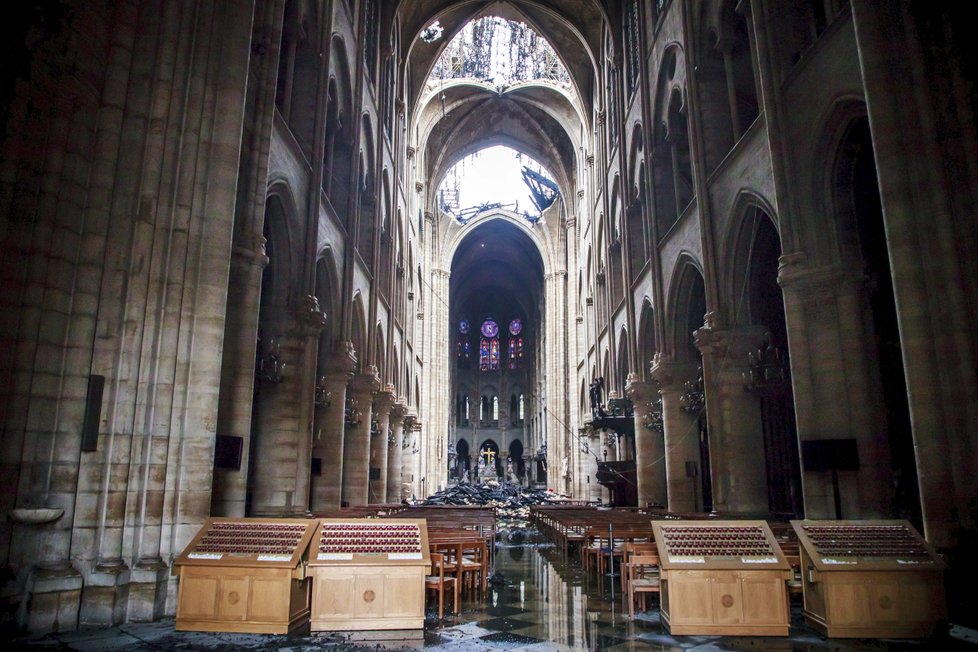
[
  {"x": 147, "y": 591},
  {"x": 106, "y": 595},
  {"x": 53, "y": 599}
]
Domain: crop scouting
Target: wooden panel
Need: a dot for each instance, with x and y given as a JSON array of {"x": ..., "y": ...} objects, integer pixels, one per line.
[
  {"x": 233, "y": 600},
  {"x": 922, "y": 596},
  {"x": 885, "y": 602},
  {"x": 727, "y": 599},
  {"x": 690, "y": 600},
  {"x": 269, "y": 598},
  {"x": 402, "y": 597},
  {"x": 766, "y": 599},
  {"x": 847, "y": 601},
  {"x": 198, "y": 596},
  {"x": 333, "y": 595},
  {"x": 368, "y": 596}
]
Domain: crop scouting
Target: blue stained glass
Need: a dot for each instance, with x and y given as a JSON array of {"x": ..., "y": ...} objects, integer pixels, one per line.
[
  {"x": 463, "y": 326},
  {"x": 515, "y": 327},
  {"x": 490, "y": 328}
]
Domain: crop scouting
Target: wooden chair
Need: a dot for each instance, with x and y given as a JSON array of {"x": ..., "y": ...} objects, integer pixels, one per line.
[
  {"x": 629, "y": 550},
  {"x": 475, "y": 565},
  {"x": 437, "y": 581},
  {"x": 643, "y": 577},
  {"x": 595, "y": 549}
]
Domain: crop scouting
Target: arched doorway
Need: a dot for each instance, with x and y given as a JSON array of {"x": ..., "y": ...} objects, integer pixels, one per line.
[
  {"x": 857, "y": 195},
  {"x": 516, "y": 459},
  {"x": 769, "y": 374},
  {"x": 489, "y": 461},
  {"x": 463, "y": 462}
]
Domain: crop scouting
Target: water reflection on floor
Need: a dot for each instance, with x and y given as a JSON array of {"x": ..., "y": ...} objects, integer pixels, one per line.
[{"x": 535, "y": 601}]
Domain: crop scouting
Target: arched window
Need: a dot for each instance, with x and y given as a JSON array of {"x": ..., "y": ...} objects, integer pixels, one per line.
[
  {"x": 463, "y": 347},
  {"x": 515, "y": 344},
  {"x": 489, "y": 346},
  {"x": 495, "y": 408}
]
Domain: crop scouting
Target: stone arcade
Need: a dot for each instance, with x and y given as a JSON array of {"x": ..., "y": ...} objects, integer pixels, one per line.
[{"x": 232, "y": 288}]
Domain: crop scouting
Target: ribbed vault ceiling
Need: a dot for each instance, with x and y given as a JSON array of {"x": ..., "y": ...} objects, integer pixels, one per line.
[{"x": 497, "y": 270}]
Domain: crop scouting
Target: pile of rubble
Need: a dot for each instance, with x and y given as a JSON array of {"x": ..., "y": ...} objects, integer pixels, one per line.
[{"x": 512, "y": 502}]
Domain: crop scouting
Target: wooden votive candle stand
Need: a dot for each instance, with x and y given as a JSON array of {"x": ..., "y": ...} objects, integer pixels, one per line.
[
  {"x": 870, "y": 579},
  {"x": 369, "y": 574},
  {"x": 245, "y": 575},
  {"x": 722, "y": 577}
]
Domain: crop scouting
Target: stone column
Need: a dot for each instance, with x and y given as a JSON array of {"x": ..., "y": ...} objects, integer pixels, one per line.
[
  {"x": 411, "y": 456},
  {"x": 836, "y": 385},
  {"x": 736, "y": 433},
  {"x": 356, "y": 445},
  {"x": 924, "y": 144},
  {"x": 283, "y": 451},
  {"x": 434, "y": 433},
  {"x": 680, "y": 436},
  {"x": 327, "y": 445},
  {"x": 650, "y": 451},
  {"x": 383, "y": 402},
  {"x": 395, "y": 453},
  {"x": 238, "y": 374}
]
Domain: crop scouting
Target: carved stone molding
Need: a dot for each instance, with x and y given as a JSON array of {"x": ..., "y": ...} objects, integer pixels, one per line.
[
  {"x": 734, "y": 342},
  {"x": 308, "y": 319},
  {"x": 342, "y": 359},
  {"x": 384, "y": 400},
  {"x": 640, "y": 391},
  {"x": 253, "y": 253},
  {"x": 669, "y": 374}
]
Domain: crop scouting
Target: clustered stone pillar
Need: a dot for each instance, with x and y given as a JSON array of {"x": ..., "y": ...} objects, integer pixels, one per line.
[
  {"x": 680, "y": 436},
  {"x": 281, "y": 468},
  {"x": 356, "y": 445},
  {"x": 383, "y": 402},
  {"x": 737, "y": 455},
  {"x": 650, "y": 452},
  {"x": 411, "y": 456},
  {"x": 327, "y": 445},
  {"x": 836, "y": 385},
  {"x": 395, "y": 453},
  {"x": 238, "y": 374}
]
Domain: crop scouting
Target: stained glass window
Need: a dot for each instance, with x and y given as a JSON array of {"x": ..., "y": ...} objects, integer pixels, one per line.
[
  {"x": 463, "y": 327},
  {"x": 490, "y": 328},
  {"x": 489, "y": 346},
  {"x": 515, "y": 327},
  {"x": 515, "y": 352}
]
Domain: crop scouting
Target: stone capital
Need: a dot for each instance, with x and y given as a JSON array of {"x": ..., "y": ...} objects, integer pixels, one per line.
[
  {"x": 640, "y": 391},
  {"x": 671, "y": 375},
  {"x": 735, "y": 342},
  {"x": 384, "y": 401},
  {"x": 342, "y": 360},
  {"x": 365, "y": 385},
  {"x": 307, "y": 319},
  {"x": 398, "y": 411}
]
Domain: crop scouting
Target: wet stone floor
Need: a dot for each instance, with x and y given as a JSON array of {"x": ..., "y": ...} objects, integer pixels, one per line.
[{"x": 535, "y": 601}]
